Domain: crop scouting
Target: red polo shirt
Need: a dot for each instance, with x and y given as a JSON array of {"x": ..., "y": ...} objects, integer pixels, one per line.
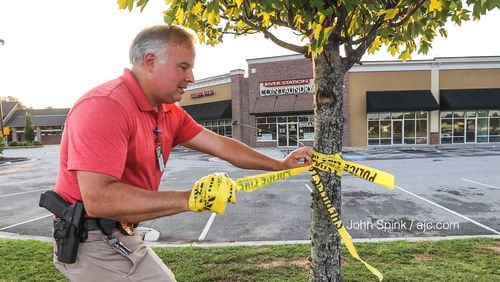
[{"x": 110, "y": 131}]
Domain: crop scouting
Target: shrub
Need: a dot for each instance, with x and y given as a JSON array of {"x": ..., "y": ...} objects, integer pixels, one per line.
[
  {"x": 1, "y": 144},
  {"x": 13, "y": 143}
]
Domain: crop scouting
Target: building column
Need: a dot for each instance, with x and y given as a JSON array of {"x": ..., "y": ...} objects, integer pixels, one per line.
[
  {"x": 38, "y": 134},
  {"x": 434, "y": 115},
  {"x": 238, "y": 105},
  {"x": 14, "y": 134}
]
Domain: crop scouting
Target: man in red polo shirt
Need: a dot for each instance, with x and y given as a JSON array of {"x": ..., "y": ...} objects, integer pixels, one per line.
[{"x": 116, "y": 142}]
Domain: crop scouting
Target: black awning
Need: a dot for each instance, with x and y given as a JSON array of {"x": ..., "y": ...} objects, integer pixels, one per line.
[
  {"x": 400, "y": 101},
  {"x": 210, "y": 111},
  {"x": 470, "y": 99}
]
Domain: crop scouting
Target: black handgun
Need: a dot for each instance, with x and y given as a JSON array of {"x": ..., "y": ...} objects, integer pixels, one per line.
[{"x": 68, "y": 227}]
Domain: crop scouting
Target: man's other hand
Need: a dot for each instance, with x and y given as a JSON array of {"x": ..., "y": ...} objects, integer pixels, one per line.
[{"x": 297, "y": 158}]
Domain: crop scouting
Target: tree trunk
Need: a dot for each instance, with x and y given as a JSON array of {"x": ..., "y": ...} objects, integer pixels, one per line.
[{"x": 328, "y": 124}]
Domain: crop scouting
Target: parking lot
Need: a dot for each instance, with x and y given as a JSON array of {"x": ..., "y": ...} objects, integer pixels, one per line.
[{"x": 446, "y": 191}]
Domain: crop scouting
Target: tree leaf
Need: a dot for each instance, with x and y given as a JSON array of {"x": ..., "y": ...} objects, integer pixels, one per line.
[
  {"x": 197, "y": 8},
  {"x": 436, "y": 6}
]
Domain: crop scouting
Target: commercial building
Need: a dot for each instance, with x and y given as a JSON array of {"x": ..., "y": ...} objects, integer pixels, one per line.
[
  {"x": 439, "y": 101},
  {"x": 386, "y": 103},
  {"x": 48, "y": 124}
]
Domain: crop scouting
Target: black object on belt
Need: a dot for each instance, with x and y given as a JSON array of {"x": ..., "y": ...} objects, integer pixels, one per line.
[
  {"x": 107, "y": 226},
  {"x": 94, "y": 224}
]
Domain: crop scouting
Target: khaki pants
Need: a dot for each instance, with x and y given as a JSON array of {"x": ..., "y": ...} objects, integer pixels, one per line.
[{"x": 97, "y": 261}]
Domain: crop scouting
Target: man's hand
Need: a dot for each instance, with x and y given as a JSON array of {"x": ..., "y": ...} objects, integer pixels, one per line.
[
  {"x": 212, "y": 192},
  {"x": 297, "y": 158}
]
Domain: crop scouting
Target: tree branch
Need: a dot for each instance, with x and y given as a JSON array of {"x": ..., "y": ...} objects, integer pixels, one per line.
[
  {"x": 407, "y": 15},
  {"x": 274, "y": 39},
  {"x": 357, "y": 53}
]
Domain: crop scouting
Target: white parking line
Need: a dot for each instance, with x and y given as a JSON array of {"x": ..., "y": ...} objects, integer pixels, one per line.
[
  {"x": 27, "y": 181},
  {"x": 448, "y": 210},
  {"x": 482, "y": 184},
  {"x": 207, "y": 227},
  {"x": 20, "y": 193},
  {"x": 309, "y": 188},
  {"x": 27, "y": 221}
]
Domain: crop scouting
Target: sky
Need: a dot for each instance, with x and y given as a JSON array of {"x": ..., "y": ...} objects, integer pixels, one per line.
[{"x": 56, "y": 50}]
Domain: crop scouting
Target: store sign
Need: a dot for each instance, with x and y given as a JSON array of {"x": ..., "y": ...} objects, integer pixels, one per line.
[
  {"x": 202, "y": 94},
  {"x": 287, "y": 87}
]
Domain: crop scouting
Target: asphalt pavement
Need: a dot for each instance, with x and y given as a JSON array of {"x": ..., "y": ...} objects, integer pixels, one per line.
[{"x": 440, "y": 192}]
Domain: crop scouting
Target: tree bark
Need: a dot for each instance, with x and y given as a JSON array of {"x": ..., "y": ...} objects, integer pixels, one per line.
[{"x": 328, "y": 123}]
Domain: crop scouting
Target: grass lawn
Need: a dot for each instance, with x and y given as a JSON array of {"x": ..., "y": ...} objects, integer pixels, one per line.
[{"x": 445, "y": 260}]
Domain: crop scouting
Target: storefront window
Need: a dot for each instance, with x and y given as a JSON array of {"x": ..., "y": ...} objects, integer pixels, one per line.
[
  {"x": 470, "y": 127},
  {"x": 292, "y": 129},
  {"x": 409, "y": 131},
  {"x": 397, "y": 128},
  {"x": 266, "y": 132},
  {"x": 409, "y": 115},
  {"x": 385, "y": 129},
  {"x": 494, "y": 128},
  {"x": 373, "y": 129},
  {"x": 373, "y": 116},
  {"x": 221, "y": 126},
  {"x": 421, "y": 127},
  {"x": 306, "y": 128},
  {"x": 386, "y": 116},
  {"x": 397, "y": 115}
]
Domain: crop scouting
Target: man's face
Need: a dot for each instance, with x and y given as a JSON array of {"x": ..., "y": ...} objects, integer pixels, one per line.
[{"x": 171, "y": 78}]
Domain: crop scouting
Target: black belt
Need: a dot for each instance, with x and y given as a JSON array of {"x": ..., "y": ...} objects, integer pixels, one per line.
[
  {"x": 93, "y": 224},
  {"x": 107, "y": 226}
]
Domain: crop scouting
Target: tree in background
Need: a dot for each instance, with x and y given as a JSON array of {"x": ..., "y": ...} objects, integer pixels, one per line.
[
  {"x": 2, "y": 143},
  {"x": 335, "y": 35},
  {"x": 29, "y": 132}
]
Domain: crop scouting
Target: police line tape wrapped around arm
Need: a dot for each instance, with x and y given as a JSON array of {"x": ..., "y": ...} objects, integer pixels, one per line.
[{"x": 212, "y": 193}]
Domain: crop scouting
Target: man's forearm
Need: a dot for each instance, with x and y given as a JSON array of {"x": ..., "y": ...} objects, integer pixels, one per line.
[{"x": 124, "y": 202}]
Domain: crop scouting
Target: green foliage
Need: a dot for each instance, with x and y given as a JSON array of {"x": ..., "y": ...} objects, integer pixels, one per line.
[
  {"x": 404, "y": 26},
  {"x": 447, "y": 260},
  {"x": 29, "y": 132},
  {"x": 14, "y": 143},
  {"x": 2, "y": 143},
  {"x": 24, "y": 143}
]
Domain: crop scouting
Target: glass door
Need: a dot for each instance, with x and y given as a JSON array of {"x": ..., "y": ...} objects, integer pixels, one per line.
[
  {"x": 287, "y": 134},
  {"x": 470, "y": 130},
  {"x": 282, "y": 135},
  {"x": 292, "y": 135},
  {"x": 397, "y": 132}
]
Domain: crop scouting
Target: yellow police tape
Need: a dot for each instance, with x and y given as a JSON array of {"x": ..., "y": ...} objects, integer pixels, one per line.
[
  {"x": 328, "y": 163},
  {"x": 206, "y": 197}
]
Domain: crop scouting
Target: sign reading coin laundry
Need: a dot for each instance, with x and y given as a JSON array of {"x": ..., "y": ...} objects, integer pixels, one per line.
[{"x": 287, "y": 87}]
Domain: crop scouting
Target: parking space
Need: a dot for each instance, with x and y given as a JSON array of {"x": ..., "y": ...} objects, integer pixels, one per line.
[{"x": 440, "y": 192}]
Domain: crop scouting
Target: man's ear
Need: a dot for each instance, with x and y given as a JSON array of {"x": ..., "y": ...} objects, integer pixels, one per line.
[{"x": 149, "y": 61}]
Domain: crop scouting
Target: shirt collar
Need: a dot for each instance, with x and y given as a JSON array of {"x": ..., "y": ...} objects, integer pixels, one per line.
[{"x": 139, "y": 97}]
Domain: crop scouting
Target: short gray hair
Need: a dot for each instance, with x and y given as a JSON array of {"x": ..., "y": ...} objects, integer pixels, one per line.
[{"x": 155, "y": 40}]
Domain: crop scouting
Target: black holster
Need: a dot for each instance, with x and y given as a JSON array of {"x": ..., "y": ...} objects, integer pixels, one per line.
[{"x": 68, "y": 226}]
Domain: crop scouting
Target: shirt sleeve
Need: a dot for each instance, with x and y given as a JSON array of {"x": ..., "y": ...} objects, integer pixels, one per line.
[
  {"x": 98, "y": 137},
  {"x": 187, "y": 128}
]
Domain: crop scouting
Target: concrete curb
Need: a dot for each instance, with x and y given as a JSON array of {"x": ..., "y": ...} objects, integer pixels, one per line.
[{"x": 8, "y": 235}]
